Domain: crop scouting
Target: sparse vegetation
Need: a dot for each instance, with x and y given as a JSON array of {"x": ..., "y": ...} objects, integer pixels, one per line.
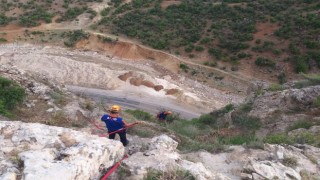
[
  {"x": 290, "y": 162},
  {"x": 74, "y": 36},
  {"x": 32, "y": 18},
  {"x": 11, "y": 94},
  {"x": 275, "y": 87},
  {"x": 300, "y": 124},
  {"x": 172, "y": 175},
  {"x": 140, "y": 115},
  {"x": 278, "y": 139},
  {"x": 3, "y": 40}
]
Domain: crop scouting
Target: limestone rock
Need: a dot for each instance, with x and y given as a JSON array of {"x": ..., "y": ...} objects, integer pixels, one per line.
[
  {"x": 286, "y": 100},
  {"x": 200, "y": 172},
  {"x": 49, "y": 152},
  {"x": 271, "y": 170}
]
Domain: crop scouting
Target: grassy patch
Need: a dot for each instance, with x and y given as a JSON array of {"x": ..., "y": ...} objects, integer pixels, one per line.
[
  {"x": 275, "y": 87},
  {"x": 310, "y": 80},
  {"x": 278, "y": 139},
  {"x": 140, "y": 115},
  {"x": 170, "y": 175},
  {"x": 238, "y": 139},
  {"x": 300, "y": 124}
]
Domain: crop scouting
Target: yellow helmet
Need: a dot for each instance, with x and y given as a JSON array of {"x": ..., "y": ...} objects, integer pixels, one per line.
[{"x": 115, "y": 108}]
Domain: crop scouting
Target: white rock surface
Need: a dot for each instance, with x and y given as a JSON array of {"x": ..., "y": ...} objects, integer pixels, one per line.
[
  {"x": 161, "y": 154},
  {"x": 49, "y": 152}
]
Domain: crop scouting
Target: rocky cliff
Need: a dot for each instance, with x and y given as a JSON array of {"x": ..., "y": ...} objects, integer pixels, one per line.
[{"x": 32, "y": 151}]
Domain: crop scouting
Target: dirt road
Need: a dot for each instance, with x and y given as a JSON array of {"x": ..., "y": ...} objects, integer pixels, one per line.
[{"x": 132, "y": 100}]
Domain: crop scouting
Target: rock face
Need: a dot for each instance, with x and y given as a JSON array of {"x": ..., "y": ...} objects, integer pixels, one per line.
[
  {"x": 161, "y": 154},
  {"x": 36, "y": 151},
  {"x": 272, "y": 162},
  {"x": 288, "y": 100}
]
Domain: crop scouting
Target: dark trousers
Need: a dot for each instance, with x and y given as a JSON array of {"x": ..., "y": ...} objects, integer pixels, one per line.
[{"x": 123, "y": 137}]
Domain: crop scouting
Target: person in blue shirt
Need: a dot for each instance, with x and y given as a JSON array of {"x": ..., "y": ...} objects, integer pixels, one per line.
[
  {"x": 163, "y": 115},
  {"x": 114, "y": 123}
]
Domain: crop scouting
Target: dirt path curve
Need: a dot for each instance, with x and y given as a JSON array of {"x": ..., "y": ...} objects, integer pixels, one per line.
[{"x": 144, "y": 102}]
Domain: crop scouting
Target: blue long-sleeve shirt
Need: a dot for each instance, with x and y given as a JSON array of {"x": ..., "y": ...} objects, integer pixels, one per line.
[{"x": 113, "y": 123}]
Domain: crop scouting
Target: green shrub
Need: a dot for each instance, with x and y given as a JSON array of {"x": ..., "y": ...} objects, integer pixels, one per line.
[
  {"x": 261, "y": 61},
  {"x": 4, "y": 20},
  {"x": 228, "y": 108},
  {"x": 74, "y": 36},
  {"x": 32, "y": 18},
  {"x": 140, "y": 115},
  {"x": 3, "y": 40},
  {"x": 300, "y": 124},
  {"x": 184, "y": 67},
  {"x": 206, "y": 119},
  {"x": 247, "y": 122},
  {"x": 278, "y": 139},
  {"x": 211, "y": 63},
  {"x": 301, "y": 65},
  {"x": 10, "y": 95}
]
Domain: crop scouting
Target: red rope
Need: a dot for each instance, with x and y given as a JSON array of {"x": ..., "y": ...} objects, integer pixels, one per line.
[
  {"x": 128, "y": 126},
  {"x": 113, "y": 168}
]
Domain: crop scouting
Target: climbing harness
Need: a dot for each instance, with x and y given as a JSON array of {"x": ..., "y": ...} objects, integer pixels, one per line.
[{"x": 113, "y": 168}]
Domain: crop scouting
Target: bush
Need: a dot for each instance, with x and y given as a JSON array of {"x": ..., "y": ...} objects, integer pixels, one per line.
[
  {"x": 301, "y": 65},
  {"x": 247, "y": 122},
  {"x": 184, "y": 67},
  {"x": 3, "y": 40},
  {"x": 74, "y": 37},
  {"x": 261, "y": 61},
  {"x": 206, "y": 119},
  {"x": 31, "y": 18},
  {"x": 4, "y": 20},
  {"x": 10, "y": 95}
]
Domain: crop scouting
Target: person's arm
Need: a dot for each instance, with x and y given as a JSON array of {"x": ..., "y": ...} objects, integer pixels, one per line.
[{"x": 104, "y": 118}]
